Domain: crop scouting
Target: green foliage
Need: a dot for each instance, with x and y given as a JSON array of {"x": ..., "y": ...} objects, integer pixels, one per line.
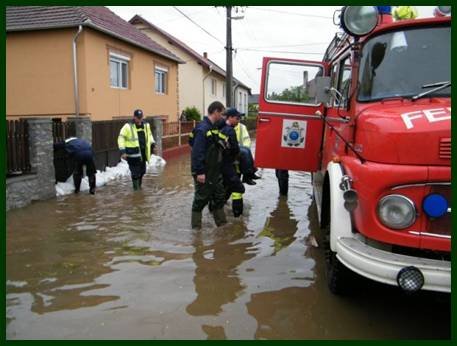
[
  {"x": 192, "y": 113},
  {"x": 292, "y": 94}
]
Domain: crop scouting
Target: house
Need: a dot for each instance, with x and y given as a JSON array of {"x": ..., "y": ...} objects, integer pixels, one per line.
[
  {"x": 201, "y": 81},
  {"x": 72, "y": 60}
]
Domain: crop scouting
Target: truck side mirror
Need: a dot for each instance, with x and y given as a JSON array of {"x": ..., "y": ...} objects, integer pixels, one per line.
[{"x": 323, "y": 90}]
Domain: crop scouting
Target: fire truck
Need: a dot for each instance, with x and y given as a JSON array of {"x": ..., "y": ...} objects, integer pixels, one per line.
[{"x": 372, "y": 123}]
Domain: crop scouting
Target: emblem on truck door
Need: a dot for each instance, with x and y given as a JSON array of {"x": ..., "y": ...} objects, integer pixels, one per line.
[{"x": 293, "y": 133}]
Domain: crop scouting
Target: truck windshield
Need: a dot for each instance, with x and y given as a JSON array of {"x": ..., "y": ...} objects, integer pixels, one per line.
[{"x": 401, "y": 63}]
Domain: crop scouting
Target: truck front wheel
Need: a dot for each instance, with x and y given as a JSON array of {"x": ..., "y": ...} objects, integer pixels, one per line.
[{"x": 339, "y": 278}]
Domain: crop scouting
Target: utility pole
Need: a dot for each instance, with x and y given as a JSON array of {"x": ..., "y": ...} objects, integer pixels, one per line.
[{"x": 229, "y": 67}]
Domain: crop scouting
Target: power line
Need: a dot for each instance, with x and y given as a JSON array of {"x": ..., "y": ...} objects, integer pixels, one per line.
[
  {"x": 290, "y": 13},
  {"x": 202, "y": 28},
  {"x": 287, "y": 45},
  {"x": 278, "y": 51}
]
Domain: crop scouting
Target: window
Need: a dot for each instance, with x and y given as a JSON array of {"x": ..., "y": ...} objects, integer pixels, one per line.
[
  {"x": 344, "y": 80},
  {"x": 223, "y": 89},
  {"x": 161, "y": 77},
  {"x": 119, "y": 66},
  {"x": 213, "y": 87},
  {"x": 292, "y": 83},
  {"x": 400, "y": 63},
  {"x": 245, "y": 107}
]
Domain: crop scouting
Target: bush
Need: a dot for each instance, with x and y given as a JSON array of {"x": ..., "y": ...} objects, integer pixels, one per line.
[{"x": 192, "y": 113}]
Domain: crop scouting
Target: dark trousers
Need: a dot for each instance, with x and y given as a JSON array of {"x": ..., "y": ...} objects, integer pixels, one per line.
[
  {"x": 211, "y": 190},
  {"x": 283, "y": 181},
  {"x": 84, "y": 159},
  {"x": 137, "y": 167},
  {"x": 246, "y": 161},
  {"x": 232, "y": 181}
]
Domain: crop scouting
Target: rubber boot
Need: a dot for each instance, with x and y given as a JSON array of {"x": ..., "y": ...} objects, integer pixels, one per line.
[
  {"x": 77, "y": 181},
  {"x": 136, "y": 184},
  {"x": 140, "y": 181},
  {"x": 92, "y": 184},
  {"x": 219, "y": 217},
  {"x": 196, "y": 220}
]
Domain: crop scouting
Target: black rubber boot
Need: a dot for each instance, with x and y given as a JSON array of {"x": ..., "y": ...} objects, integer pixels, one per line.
[
  {"x": 196, "y": 220},
  {"x": 92, "y": 184},
  {"x": 136, "y": 184},
  {"x": 219, "y": 217},
  {"x": 140, "y": 182},
  {"x": 77, "y": 181}
]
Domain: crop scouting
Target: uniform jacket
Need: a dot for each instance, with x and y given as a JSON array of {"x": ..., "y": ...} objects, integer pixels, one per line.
[
  {"x": 128, "y": 140},
  {"x": 206, "y": 137}
]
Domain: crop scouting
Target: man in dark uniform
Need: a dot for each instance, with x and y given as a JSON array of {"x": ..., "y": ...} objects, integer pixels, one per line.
[
  {"x": 81, "y": 152},
  {"x": 208, "y": 145},
  {"x": 136, "y": 144},
  {"x": 232, "y": 183}
]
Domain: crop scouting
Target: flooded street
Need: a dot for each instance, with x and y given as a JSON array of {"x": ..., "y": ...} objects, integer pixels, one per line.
[{"x": 126, "y": 265}]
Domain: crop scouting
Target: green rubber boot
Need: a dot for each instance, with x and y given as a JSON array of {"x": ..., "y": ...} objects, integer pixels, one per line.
[
  {"x": 219, "y": 217},
  {"x": 136, "y": 184},
  {"x": 196, "y": 220}
]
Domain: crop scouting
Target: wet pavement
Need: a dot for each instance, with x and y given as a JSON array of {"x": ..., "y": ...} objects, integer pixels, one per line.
[{"x": 125, "y": 265}]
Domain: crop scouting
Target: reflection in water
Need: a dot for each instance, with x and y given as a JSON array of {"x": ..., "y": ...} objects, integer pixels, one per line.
[
  {"x": 280, "y": 226},
  {"x": 126, "y": 265},
  {"x": 216, "y": 279},
  {"x": 312, "y": 312}
]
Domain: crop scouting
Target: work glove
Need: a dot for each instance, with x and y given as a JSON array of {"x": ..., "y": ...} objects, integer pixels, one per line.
[{"x": 237, "y": 207}]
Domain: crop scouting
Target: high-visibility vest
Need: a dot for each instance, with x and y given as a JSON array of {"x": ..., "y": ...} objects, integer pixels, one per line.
[
  {"x": 128, "y": 140},
  {"x": 242, "y": 135}
]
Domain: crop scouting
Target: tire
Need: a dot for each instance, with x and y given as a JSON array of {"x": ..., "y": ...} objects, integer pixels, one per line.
[{"x": 340, "y": 279}]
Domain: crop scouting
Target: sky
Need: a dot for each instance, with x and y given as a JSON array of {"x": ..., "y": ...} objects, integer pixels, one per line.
[{"x": 300, "y": 32}]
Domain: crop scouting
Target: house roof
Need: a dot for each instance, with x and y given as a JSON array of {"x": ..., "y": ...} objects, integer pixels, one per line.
[
  {"x": 137, "y": 19},
  {"x": 26, "y": 18}
]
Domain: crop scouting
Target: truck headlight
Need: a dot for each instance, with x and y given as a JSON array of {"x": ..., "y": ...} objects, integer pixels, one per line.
[
  {"x": 396, "y": 211},
  {"x": 359, "y": 20}
]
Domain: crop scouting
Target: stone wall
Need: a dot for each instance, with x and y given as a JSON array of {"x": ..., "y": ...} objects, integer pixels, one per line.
[{"x": 38, "y": 185}]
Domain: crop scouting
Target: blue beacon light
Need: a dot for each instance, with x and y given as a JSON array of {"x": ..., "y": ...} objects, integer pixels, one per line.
[
  {"x": 384, "y": 9},
  {"x": 435, "y": 205}
]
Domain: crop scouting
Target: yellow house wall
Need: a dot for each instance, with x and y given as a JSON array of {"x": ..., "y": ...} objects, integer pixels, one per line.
[
  {"x": 209, "y": 96},
  {"x": 105, "y": 102},
  {"x": 39, "y": 73},
  {"x": 39, "y": 77}
]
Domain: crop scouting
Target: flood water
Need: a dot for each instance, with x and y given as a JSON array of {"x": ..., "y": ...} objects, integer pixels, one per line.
[{"x": 126, "y": 265}]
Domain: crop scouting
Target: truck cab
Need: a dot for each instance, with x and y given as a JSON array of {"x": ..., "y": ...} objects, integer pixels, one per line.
[{"x": 372, "y": 123}]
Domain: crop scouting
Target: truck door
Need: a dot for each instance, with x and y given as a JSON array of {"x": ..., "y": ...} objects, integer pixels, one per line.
[{"x": 289, "y": 124}]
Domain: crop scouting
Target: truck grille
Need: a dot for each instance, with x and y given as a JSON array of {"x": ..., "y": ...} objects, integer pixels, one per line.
[
  {"x": 445, "y": 148},
  {"x": 441, "y": 225}
]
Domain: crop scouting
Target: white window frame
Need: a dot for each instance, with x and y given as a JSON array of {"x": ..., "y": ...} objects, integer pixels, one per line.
[
  {"x": 213, "y": 87},
  {"x": 162, "y": 83},
  {"x": 120, "y": 60}
]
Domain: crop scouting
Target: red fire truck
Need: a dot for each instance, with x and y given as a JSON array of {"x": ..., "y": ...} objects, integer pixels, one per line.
[{"x": 372, "y": 123}]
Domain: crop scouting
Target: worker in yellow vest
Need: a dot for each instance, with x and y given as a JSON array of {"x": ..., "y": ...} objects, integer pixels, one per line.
[
  {"x": 247, "y": 167},
  {"x": 136, "y": 144}
]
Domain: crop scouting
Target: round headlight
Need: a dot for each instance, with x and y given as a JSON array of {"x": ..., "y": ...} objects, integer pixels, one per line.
[
  {"x": 359, "y": 20},
  {"x": 396, "y": 211}
]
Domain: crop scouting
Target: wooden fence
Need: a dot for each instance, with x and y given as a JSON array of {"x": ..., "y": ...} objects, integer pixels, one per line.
[
  {"x": 104, "y": 142},
  {"x": 62, "y": 130},
  {"x": 17, "y": 148},
  {"x": 176, "y": 134}
]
